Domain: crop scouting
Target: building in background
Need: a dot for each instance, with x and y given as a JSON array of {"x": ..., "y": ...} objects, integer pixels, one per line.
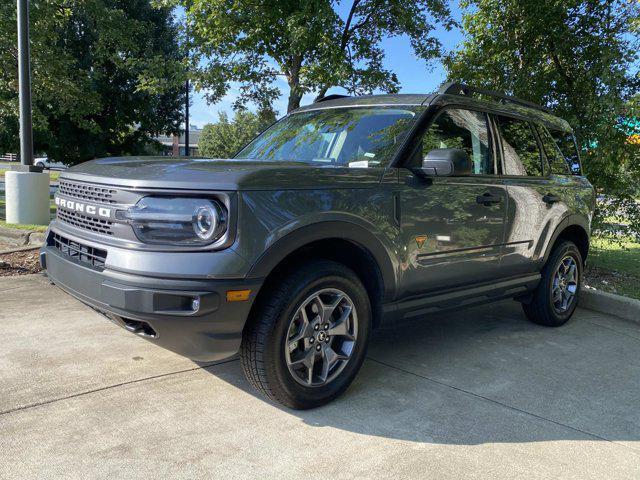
[{"x": 175, "y": 146}]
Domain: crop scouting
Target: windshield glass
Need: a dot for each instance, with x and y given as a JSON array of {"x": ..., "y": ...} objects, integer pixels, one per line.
[{"x": 348, "y": 137}]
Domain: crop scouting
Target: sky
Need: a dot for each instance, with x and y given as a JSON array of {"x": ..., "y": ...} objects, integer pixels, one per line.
[{"x": 414, "y": 74}]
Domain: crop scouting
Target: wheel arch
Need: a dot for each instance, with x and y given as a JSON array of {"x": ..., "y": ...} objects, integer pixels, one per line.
[
  {"x": 343, "y": 242},
  {"x": 575, "y": 229}
]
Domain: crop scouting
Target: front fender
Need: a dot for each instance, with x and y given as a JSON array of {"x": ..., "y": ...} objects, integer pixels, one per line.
[{"x": 334, "y": 229}]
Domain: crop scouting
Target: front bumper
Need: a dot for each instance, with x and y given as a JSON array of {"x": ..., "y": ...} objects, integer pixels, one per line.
[{"x": 160, "y": 310}]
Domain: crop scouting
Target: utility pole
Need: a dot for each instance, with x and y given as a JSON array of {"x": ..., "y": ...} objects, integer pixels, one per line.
[
  {"x": 26, "y": 187},
  {"x": 186, "y": 121},
  {"x": 24, "y": 81},
  {"x": 186, "y": 86}
]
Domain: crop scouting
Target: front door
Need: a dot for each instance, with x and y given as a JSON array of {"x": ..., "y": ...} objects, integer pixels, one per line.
[{"x": 452, "y": 228}]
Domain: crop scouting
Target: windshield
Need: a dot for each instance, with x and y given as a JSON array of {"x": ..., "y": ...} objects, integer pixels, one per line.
[{"x": 349, "y": 137}]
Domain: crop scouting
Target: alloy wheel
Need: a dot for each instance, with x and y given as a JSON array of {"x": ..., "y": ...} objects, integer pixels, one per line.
[
  {"x": 321, "y": 337},
  {"x": 565, "y": 285}
]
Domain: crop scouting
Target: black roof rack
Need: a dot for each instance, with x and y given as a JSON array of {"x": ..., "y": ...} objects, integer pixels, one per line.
[
  {"x": 455, "y": 88},
  {"x": 334, "y": 96}
]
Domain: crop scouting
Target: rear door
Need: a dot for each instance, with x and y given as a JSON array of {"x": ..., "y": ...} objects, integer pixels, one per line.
[
  {"x": 536, "y": 202},
  {"x": 452, "y": 227}
]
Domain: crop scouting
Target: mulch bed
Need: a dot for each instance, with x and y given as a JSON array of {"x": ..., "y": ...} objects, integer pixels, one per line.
[
  {"x": 20, "y": 263},
  {"x": 607, "y": 280}
]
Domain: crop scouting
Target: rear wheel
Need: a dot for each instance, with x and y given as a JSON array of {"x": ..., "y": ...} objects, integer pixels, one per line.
[
  {"x": 556, "y": 297},
  {"x": 309, "y": 335}
]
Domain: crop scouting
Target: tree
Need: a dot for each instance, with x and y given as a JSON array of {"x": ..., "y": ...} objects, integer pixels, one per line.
[
  {"x": 227, "y": 137},
  {"x": 580, "y": 58},
  {"x": 107, "y": 76},
  {"x": 306, "y": 42}
]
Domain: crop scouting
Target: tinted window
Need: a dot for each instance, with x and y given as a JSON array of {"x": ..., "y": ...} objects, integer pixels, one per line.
[
  {"x": 520, "y": 148},
  {"x": 352, "y": 137},
  {"x": 462, "y": 129},
  {"x": 555, "y": 158},
  {"x": 567, "y": 145}
]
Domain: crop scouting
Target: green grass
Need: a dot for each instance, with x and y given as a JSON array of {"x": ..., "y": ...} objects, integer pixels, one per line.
[
  {"x": 622, "y": 256},
  {"x": 37, "y": 228},
  {"x": 616, "y": 266}
]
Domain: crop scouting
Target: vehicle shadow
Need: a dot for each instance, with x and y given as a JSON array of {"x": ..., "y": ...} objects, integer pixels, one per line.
[{"x": 487, "y": 375}]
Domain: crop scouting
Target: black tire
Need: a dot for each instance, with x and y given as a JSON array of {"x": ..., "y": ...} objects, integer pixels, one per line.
[
  {"x": 541, "y": 309},
  {"x": 263, "y": 354}
]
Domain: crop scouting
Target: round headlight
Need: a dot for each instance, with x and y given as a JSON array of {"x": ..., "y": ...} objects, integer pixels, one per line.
[
  {"x": 205, "y": 222},
  {"x": 177, "y": 221}
]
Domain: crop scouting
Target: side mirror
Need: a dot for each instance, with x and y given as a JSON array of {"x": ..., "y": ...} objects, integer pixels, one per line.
[{"x": 445, "y": 162}]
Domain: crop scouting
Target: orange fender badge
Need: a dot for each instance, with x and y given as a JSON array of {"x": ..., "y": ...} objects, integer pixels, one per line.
[{"x": 420, "y": 240}]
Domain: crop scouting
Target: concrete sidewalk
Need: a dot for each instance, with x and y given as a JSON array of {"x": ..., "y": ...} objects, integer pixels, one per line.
[{"x": 479, "y": 393}]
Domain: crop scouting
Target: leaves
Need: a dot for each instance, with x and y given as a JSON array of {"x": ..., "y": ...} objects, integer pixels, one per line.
[
  {"x": 107, "y": 76},
  {"x": 226, "y": 137},
  {"x": 304, "y": 42},
  {"x": 578, "y": 57}
]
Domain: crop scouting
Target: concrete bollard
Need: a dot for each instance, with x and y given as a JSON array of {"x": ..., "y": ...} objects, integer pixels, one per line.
[{"x": 27, "y": 197}]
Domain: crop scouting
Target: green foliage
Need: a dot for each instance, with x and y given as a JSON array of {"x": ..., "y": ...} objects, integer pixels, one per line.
[
  {"x": 614, "y": 266},
  {"x": 579, "y": 57},
  {"x": 306, "y": 42},
  {"x": 107, "y": 76},
  {"x": 226, "y": 137}
]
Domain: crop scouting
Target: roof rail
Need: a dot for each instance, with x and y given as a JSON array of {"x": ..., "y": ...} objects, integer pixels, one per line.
[
  {"x": 455, "y": 88},
  {"x": 334, "y": 96}
]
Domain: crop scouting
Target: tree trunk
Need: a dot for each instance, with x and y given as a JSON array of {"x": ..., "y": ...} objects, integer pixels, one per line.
[
  {"x": 321, "y": 93},
  {"x": 294, "y": 100},
  {"x": 293, "y": 79}
]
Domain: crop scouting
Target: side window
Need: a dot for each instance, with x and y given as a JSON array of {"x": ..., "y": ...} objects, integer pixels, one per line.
[
  {"x": 567, "y": 144},
  {"x": 555, "y": 159},
  {"x": 519, "y": 148},
  {"x": 463, "y": 129}
]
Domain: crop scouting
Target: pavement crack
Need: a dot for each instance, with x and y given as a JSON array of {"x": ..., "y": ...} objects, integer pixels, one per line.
[
  {"x": 504, "y": 405},
  {"x": 109, "y": 387}
]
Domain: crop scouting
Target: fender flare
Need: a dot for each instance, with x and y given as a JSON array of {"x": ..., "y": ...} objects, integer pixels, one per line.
[
  {"x": 328, "y": 230},
  {"x": 568, "y": 221}
]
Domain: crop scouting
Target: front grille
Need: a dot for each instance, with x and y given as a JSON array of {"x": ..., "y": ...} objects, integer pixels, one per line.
[
  {"x": 87, "y": 223},
  {"x": 92, "y": 193},
  {"x": 93, "y": 257}
]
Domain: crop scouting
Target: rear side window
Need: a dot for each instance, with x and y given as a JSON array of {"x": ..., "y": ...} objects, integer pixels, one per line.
[
  {"x": 555, "y": 159},
  {"x": 463, "y": 129},
  {"x": 567, "y": 144},
  {"x": 520, "y": 149}
]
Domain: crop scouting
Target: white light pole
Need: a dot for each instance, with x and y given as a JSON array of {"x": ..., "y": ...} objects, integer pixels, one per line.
[{"x": 27, "y": 188}]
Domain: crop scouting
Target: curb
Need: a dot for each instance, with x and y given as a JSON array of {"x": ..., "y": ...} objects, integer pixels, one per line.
[
  {"x": 20, "y": 238},
  {"x": 611, "y": 304}
]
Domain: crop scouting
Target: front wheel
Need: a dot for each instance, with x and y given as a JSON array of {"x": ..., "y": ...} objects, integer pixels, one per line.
[
  {"x": 556, "y": 297},
  {"x": 308, "y": 336}
]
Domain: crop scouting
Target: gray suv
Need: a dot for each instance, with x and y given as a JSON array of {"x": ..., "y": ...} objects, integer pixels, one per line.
[{"x": 345, "y": 214}]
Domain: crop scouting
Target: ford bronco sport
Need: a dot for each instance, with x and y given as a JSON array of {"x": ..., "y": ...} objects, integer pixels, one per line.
[{"x": 344, "y": 214}]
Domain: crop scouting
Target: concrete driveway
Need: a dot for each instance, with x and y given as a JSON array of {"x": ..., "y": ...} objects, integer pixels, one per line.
[{"x": 479, "y": 393}]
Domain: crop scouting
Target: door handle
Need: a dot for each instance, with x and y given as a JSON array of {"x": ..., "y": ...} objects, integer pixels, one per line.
[
  {"x": 487, "y": 199},
  {"x": 551, "y": 198}
]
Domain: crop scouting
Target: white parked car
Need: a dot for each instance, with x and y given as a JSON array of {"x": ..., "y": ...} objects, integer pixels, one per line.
[{"x": 47, "y": 164}]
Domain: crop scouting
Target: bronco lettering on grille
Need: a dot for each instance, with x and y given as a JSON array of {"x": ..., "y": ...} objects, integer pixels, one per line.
[{"x": 83, "y": 207}]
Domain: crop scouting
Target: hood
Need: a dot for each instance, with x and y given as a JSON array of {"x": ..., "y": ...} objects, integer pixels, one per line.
[{"x": 219, "y": 174}]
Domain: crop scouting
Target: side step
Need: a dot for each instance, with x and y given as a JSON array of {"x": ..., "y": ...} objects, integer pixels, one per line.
[{"x": 462, "y": 297}]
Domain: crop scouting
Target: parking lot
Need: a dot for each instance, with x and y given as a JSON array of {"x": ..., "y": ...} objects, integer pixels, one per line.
[{"x": 479, "y": 393}]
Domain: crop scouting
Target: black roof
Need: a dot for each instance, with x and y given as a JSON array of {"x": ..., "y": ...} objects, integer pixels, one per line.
[{"x": 450, "y": 94}]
